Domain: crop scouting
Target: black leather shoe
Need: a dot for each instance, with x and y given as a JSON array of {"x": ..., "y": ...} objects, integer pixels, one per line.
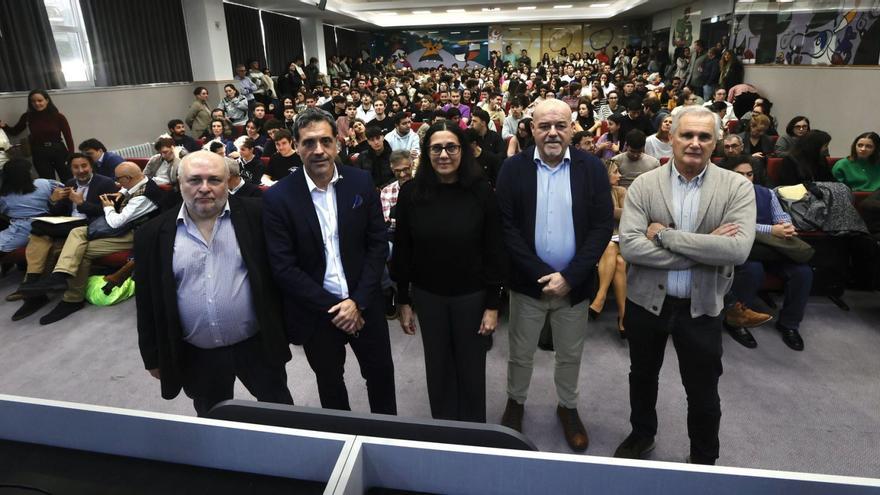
[
  {"x": 573, "y": 428},
  {"x": 513, "y": 415},
  {"x": 791, "y": 337},
  {"x": 30, "y": 306},
  {"x": 593, "y": 314},
  {"x": 741, "y": 335},
  {"x": 53, "y": 282},
  {"x": 635, "y": 447},
  {"x": 62, "y": 311}
]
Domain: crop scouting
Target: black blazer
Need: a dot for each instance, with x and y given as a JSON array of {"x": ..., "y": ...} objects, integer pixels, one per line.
[
  {"x": 296, "y": 249},
  {"x": 92, "y": 204},
  {"x": 160, "y": 336},
  {"x": 592, "y": 212},
  {"x": 249, "y": 190}
]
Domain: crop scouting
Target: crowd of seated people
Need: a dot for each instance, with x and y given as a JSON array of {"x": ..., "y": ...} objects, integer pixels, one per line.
[{"x": 622, "y": 109}]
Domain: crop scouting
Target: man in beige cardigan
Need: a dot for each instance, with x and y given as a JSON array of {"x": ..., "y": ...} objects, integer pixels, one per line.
[{"x": 684, "y": 227}]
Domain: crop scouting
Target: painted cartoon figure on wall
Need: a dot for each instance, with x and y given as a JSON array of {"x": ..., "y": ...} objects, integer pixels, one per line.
[
  {"x": 848, "y": 37},
  {"x": 683, "y": 35}
]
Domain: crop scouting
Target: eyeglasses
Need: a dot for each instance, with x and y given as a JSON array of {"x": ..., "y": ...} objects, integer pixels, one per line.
[
  {"x": 802, "y": 126},
  {"x": 123, "y": 178},
  {"x": 450, "y": 149}
]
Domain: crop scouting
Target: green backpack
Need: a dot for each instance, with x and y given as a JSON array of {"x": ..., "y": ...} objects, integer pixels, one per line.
[{"x": 95, "y": 293}]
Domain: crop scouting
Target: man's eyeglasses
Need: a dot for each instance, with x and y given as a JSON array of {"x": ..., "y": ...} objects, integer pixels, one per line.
[
  {"x": 123, "y": 178},
  {"x": 450, "y": 149}
]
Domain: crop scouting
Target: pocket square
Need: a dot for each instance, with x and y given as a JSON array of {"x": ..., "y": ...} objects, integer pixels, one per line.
[{"x": 358, "y": 201}]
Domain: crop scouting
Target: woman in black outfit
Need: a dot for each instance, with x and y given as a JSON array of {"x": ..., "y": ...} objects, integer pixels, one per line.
[
  {"x": 448, "y": 247},
  {"x": 806, "y": 161},
  {"x": 50, "y": 138}
]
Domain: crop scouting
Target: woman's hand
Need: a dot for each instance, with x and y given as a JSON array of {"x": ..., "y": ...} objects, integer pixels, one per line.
[
  {"x": 407, "y": 319},
  {"x": 489, "y": 323}
]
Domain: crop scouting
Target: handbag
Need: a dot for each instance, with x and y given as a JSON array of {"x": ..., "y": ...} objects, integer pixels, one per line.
[
  {"x": 100, "y": 229},
  {"x": 792, "y": 249}
]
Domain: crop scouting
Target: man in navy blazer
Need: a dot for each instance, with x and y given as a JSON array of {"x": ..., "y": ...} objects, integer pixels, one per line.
[
  {"x": 327, "y": 245},
  {"x": 555, "y": 203}
]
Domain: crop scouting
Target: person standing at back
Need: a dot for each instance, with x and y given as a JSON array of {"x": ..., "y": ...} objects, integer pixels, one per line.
[
  {"x": 684, "y": 227},
  {"x": 50, "y": 137},
  {"x": 557, "y": 214}
]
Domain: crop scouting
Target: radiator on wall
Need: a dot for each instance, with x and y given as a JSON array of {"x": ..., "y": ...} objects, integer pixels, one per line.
[{"x": 137, "y": 151}]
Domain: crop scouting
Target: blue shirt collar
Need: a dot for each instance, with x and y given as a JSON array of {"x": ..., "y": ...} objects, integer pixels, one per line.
[{"x": 698, "y": 180}]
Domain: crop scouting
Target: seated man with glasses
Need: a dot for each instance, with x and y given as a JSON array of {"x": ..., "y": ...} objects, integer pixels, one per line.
[{"x": 113, "y": 232}]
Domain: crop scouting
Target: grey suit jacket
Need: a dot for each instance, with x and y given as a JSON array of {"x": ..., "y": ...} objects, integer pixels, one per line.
[{"x": 725, "y": 197}]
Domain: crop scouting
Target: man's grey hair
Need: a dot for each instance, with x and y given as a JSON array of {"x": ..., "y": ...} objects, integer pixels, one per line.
[
  {"x": 310, "y": 116},
  {"x": 699, "y": 112},
  {"x": 234, "y": 169},
  {"x": 733, "y": 137},
  {"x": 398, "y": 155}
]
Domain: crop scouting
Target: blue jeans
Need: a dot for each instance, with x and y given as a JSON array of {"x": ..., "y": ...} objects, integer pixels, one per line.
[
  {"x": 798, "y": 278},
  {"x": 709, "y": 92}
]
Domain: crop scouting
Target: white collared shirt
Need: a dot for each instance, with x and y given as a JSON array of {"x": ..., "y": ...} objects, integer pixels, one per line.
[{"x": 325, "y": 206}]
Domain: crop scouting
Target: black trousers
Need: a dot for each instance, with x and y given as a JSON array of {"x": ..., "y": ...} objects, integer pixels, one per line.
[
  {"x": 51, "y": 159},
  {"x": 209, "y": 374},
  {"x": 325, "y": 351},
  {"x": 455, "y": 354},
  {"x": 697, "y": 343}
]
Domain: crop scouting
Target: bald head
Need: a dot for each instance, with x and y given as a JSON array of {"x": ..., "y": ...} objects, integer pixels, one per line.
[
  {"x": 551, "y": 128},
  {"x": 549, "y": 106},
  {"x": 128, "y": 174},
  {"x": 202, "y": 157}
]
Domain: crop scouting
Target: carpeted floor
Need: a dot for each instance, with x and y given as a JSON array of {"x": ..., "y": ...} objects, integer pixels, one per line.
[{"x": 813, "y": 411}]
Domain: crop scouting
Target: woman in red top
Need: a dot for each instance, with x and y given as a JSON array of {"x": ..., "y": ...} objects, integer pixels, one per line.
[{"x": 49, "y": 138}]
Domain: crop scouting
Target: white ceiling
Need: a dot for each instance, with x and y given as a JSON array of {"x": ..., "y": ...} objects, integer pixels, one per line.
[{"x": 371, "y": 14}]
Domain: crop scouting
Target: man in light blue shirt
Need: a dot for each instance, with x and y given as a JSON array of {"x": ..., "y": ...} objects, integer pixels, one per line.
[{"x": 555, "y": 203}]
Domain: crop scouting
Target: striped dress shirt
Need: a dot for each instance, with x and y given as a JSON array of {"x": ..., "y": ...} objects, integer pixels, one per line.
[
  {"x": 213, "y": 289},
  {"x": 686, "y": 203}
]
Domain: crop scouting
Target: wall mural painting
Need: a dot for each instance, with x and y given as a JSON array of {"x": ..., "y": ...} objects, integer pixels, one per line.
[
  {"x": 848, "y": 37},
  {"x": 427, "y": 49},
  {"x": 686, "y": 28},
  {"x": 556, "y": 37}
]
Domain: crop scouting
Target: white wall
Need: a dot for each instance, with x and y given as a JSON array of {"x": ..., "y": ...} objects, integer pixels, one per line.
[
  {"x": 118, "y": 117},
  {"x": 842, "y": 101}
]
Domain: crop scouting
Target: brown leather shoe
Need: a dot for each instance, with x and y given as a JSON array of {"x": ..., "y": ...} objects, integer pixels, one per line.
[
  {"x": 575, "y": 433},
  {"x": 513, "y": 415},
  {"x": 741, "y": 316}
]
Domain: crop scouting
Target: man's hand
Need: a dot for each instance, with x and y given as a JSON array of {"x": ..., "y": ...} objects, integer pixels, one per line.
[
  {"x": 59, "y": 193},
  {"x": 477, "y": 150},
  {"x": 556, "y": 285},
  {"x": 155, "y": 373},
  {"x": 414, "y": 153},
  {"x": 76, "y": 197},
  {"x": 726, "y": 230},
  {"x": 106, "y": 200},
  {"x": 783, "y": 230},
  {"x": 407, "y": 319},
  {"x": 348, "y": 317},
  {"x": 490, "y": 322},
  {"x": 653, "y": 229},
  {"x": 759, "y": 154}
]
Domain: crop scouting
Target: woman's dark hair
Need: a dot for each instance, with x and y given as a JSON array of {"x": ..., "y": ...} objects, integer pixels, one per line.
[
  {"x": 233, "y": 89},
  {"x": 426, "y": 181},
  {"x": 17, "y": 178},
  {"x": 50, "y": 107},
  {"x": 875, "y": 156},
  {"x": 198, "y": 90},
  {"x": 789, "y": 129},
  {"x": 807, "y": 153},
  {"x": 528, "y": 140}
]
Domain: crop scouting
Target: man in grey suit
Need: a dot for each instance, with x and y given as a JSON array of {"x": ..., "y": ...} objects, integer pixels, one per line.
[{"x": 684, "y": 227}]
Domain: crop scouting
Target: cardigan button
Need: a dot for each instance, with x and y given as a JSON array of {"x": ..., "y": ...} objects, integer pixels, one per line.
[
  {"x": 654, "y": 308},
  {"x": 660, "y": 286}
]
